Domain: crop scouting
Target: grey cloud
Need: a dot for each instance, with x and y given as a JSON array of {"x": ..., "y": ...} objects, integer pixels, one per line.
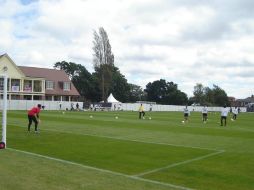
[
  {"x": 228, "y": 12},
  {"x": 142, "y": 58},
  {"x": 243, "y": 74},
  {"x": 142, "y": 71},
  {"x": 219, "y": 64}
]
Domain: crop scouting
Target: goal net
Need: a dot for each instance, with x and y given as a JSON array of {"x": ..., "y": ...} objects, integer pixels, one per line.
[{"x": 3, "y": 106}]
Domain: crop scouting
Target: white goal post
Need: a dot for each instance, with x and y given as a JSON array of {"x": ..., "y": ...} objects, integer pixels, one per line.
[{"x": 4, "y": 111}]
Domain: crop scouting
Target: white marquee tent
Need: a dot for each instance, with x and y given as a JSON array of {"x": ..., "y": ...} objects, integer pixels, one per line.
[{"x": 111, "y": 99}]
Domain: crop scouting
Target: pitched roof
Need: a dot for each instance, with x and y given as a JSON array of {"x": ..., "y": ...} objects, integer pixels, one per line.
[
  {"x": 12, "y": 62},
  {"x": 247, "y": 100},
  {"x": 57, "y": 76}
]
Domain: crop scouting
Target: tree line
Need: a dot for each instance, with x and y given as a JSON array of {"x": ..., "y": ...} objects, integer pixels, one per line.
[{"x": 107, "y": 78}]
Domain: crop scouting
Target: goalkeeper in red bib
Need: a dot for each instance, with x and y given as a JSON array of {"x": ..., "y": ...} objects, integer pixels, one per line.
[{"x": 33, "y": 116}]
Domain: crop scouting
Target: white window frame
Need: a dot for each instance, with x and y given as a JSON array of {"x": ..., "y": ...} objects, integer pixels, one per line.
[
  {"x": 49, "y": 85},
  {"x": 66, "y": 86}
]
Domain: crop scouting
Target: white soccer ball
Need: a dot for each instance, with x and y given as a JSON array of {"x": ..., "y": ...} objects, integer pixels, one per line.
[
  {"x": 116, "y": 117},
  {"x": 91, "y": 116},
  {"x": 63, "y": 112},
  {"x": 182, "y": 121},
  {"x": 150, "y": 118}
]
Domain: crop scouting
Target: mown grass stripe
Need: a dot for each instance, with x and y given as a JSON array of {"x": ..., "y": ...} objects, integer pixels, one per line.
[
  {"x": 178, "y": 164},
  {"x": 100, "y": 170},
  {"x": 125, "y": 139}
]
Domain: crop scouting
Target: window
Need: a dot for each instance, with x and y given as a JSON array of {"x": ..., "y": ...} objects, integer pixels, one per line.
[
  {"x": 67, "y": 86},
  {"x": 49, "y": 85},
  {"x": 27, "y": 86},
  {"x": 37, "y": 86},
  {"x": 1, "y": 83},
  {"x": 15, "y": 85}
]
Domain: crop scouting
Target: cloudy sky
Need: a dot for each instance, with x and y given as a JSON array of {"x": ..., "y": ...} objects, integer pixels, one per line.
[{"x": 184, "y": 41}]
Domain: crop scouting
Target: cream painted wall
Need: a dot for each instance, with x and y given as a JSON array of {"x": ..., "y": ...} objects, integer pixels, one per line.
[{"x": 13, "y": 71}]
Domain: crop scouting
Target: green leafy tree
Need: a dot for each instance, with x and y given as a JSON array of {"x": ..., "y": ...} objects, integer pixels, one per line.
[
  {"x": 220, "y": 96},
  {"x": 199, "y": 94},
  {"x": 164, "y": 92},
  {"x": 215, "y": 96},
  {"x": 103, "y": 60},
  {"x": 84, "y": 82},
  {"x": 119, "y": 87},
  {"x": 71, "y": 69},
  {"x": 136, "y": 93}
]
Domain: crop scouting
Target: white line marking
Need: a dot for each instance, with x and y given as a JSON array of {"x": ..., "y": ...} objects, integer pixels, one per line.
[
  {"x": 100, "y": 170},
  {"x": 178, "y": 164}
]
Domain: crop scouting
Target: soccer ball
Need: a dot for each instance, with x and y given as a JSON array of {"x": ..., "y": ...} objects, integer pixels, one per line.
[
  {"x": 150, "y": 118},
  {"x": 91, "y": 116},
  {"x": 63, "y": 112},
  {"x": 116, "y": 117},
  {"x": 182, "y": 121}
]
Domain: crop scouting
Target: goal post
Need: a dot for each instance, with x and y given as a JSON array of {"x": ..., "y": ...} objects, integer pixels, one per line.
[{"x": 4, "y": 110}]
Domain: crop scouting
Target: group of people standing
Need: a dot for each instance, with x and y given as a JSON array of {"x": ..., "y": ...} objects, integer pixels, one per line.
[{"x": 224, "y": 114}]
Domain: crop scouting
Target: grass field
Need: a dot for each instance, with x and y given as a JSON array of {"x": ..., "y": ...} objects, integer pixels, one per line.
[{"x": 74, "y": 151}]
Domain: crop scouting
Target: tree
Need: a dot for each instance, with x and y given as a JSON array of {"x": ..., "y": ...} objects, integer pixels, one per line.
[
  {"x": 71, "y": 69},
  {"x": 199, "y": 94},
  {"x": 103, "y": 60},
  {"x": 220, "y": 96},
  {"x": 136, "y": 93},
  {"x": 164, "y": 92},
  {"x": 215, "y": 96},
  {"x": 209, "y": 96},
  {"x": 84, "y": 82},
  {"x": 119, "y": 87}
]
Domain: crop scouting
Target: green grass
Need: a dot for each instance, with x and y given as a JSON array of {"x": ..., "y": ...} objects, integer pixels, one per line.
[{"x": 127, "y": 153}]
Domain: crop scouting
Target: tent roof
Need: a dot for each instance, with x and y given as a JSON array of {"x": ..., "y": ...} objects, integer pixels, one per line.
[{"x": 111, "y": 99}]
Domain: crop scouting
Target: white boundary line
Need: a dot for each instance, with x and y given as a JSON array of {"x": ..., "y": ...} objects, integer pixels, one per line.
[
  {"x": 178, "y": 164},
  {"x": 126, "y": 139},
  {"x": 101, "y": 170}
]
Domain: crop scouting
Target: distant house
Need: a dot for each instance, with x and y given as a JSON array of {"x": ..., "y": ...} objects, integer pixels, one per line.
[
  {"x": 32, "y": 83},
  {"x": 232, "y": 101},
  {"x": 246, "y": 101}
]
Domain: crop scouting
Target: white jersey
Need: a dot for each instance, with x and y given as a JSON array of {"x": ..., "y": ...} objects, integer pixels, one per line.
[
  {"x": 204, "y": 110},
  {"x": 185, "y": 110},
  {"x": 224, "y": 112},
  {"x": 235, "y": 111}
]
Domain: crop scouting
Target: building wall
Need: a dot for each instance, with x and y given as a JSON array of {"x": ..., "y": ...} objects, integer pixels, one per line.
[
  {"x": 22, "y": 93},
  {"x": 12, "y": 71}
]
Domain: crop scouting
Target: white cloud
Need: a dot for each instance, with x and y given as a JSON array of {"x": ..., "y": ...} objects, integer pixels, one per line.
[{"x": 187, "y": 42}]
